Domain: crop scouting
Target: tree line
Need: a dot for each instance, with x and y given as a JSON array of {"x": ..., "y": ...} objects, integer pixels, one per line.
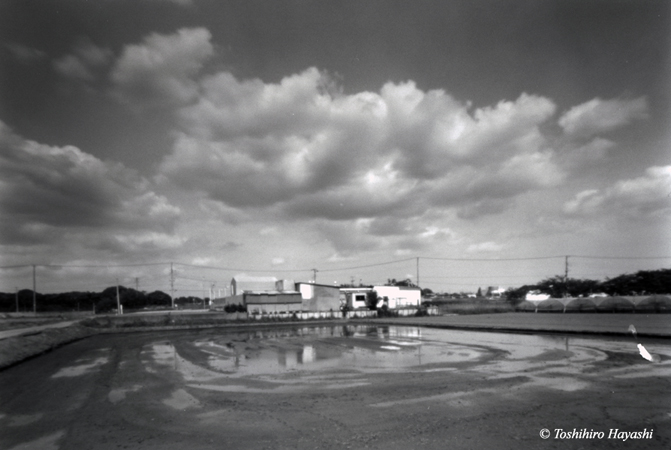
[
  {"x": 644, "y": 282},
  {"x": 99, "y": 302}
]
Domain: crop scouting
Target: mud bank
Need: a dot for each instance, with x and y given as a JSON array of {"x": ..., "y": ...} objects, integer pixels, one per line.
[{"x": 16, "y": 349}]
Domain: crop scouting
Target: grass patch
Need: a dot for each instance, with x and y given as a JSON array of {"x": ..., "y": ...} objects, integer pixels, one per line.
[{"x": 472, "y": 306}]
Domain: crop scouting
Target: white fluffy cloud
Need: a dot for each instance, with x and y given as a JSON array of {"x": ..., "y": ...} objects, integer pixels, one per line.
[
  {"x": 160, "y": 70},
  {"x": 600, "y": 116},
  {"x": 647, "y": 195},
  {"x": 49, "y": 191},
  {"x": 302, "y": 145},
  {"x": 366, "y": 165}
]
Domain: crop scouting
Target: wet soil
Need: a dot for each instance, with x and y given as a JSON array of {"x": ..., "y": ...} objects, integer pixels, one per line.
[{"x": 335, "y": 387}]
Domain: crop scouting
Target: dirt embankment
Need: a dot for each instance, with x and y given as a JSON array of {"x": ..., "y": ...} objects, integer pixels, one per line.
[{"x": 13, "y": 350}]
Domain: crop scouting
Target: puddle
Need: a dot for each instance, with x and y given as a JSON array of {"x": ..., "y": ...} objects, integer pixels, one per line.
[
  {"x": 355, "y": 348},
  {"x": 277, "y": 389},
  {"x": 290, "y": 360},
  {"x": 182, "y": 400},
  {"x": 87, "y": 365},
  {"x": 117, "y": 395}
]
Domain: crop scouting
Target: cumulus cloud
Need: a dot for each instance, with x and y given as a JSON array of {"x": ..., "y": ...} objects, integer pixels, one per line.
[
  {"x": 647, "y": 195},
  {"x": 49, "y": 190},
  {"x": 301, "y": 148},
  {"x": 160, "y": 70},
  {"x": 310, "y": 150},
  {"x": 601, "y": 116}
]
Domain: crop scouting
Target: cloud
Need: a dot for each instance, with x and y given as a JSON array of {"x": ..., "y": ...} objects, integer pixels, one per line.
[
  {"x": 160, "y": 70},
  {"x": 86, "y": 58},
  {"x": 484, "y": 247},
  {"x": 348, "y": 238},
  {"x": 50, "y": 191},
  {"x": 579, "y": 158},
  {"x": 647, "y": 195},
  {"x": 25, "y": 54},
  {"x": 277, "y": 261},
  {"x": 304, "y": 147},
  {"x": 599, "y": 116}
]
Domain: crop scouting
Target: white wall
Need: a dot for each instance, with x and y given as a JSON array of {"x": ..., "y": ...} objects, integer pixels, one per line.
[{"x": 398, "y": 297}]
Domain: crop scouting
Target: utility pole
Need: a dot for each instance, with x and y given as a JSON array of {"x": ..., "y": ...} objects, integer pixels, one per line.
[
  {"x": 418, "y": 272},
  {"x": 314, "y": 275},
  {"x": 172, "y": 287},
  {"x": 566, "y": 276},
  {"x": 118, "y": 299},
  {"x": 34, "y": 291}
]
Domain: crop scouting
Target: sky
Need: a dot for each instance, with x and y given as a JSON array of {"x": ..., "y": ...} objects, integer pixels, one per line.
[{"x": 174, "y": 144}]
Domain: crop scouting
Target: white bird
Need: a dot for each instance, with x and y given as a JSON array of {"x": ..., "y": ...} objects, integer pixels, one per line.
[
  {"x": 642, "y": 350},
  {"x": 644, "y": 353}
]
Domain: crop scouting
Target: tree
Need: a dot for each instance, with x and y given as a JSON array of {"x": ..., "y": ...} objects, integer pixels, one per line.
[{"x": 372, "y": 300}]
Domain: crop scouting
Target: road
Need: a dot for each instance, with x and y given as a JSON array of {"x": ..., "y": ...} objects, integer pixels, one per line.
[{"x": 337, "y": 387}]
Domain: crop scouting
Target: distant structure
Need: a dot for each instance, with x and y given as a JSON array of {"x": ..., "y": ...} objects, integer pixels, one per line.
[
  {"x": 536, "y": 296},
  {"x": 269, "y": 295},
  {"x": 243, "y": 283}
]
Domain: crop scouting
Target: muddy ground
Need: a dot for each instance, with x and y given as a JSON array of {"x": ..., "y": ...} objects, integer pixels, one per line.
[{"x": 343, "y": 387}]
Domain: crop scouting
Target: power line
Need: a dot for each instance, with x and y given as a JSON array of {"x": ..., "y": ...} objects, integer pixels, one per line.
[
  {"x": 493, "y": 259},
  {"x": 369, "y": 265},
  {"x": 229, "y": 269},
  {"x": 620, "y": 257},
  {"x": 232, "y": 269}
]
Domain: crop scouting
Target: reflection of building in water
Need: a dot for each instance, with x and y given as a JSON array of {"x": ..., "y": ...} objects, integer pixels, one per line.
[
  {"x": 408, "y": 332},
  {"x": 287, "y": 358},
  {"x": 309, "y": 354},
  {"x": 294, "y": 358}
]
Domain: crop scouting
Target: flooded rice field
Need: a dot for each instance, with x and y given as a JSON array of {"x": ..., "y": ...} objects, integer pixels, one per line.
[{"x": 339, "y": 387}]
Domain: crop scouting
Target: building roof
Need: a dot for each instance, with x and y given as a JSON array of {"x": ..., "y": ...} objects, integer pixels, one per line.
[
  {"x": 272, "y": 297},
  {"x": 246, "y": 278},
  {"x": 317, "y": 284},
  {"x": 244, "y": 283}
]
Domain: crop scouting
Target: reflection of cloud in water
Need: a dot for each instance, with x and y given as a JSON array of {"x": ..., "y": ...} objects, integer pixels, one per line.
[
  {"x": 180, "y": 399},
  {"x": 289, "y": 360},
  {"x": 117, "y": 395},
  {"x": 88, "y": 365}
]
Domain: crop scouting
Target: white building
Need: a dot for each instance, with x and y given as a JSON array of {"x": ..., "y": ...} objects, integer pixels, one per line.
[{"x": 399, "y": 296}]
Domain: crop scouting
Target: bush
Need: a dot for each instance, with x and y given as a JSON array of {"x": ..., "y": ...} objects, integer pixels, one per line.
[
  {"x": 421, "y": 311},
  {"x": 384, "y": 311}
]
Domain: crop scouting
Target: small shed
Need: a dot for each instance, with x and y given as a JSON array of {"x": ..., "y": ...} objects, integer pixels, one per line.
[{"x": 319, "y": 297}]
